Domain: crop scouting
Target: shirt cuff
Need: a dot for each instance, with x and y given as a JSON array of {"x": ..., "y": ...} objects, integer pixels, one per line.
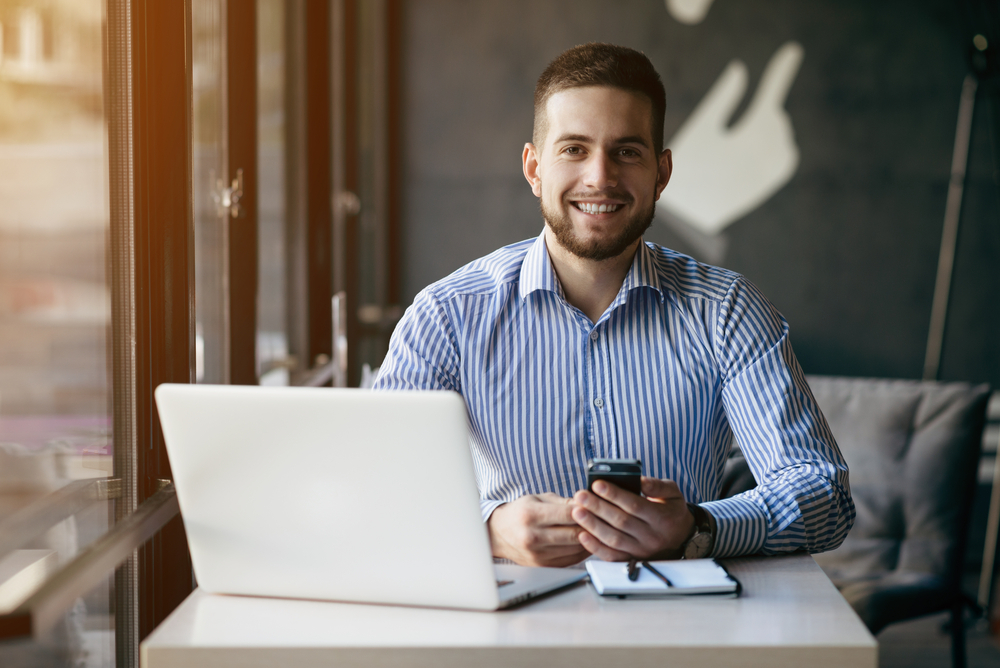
[
  {"x": 487, "y": 506},
  {"x": 741, "y": 526}
]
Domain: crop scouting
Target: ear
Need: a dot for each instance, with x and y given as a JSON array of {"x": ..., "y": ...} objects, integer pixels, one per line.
[
  {"x": 529, "y": 162},
  {"x": 664, "y": 169}
]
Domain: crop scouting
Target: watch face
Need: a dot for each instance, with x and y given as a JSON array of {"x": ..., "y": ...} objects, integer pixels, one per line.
[{"x": 699, "y": 546}]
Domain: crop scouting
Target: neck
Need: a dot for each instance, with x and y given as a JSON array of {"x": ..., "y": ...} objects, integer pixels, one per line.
[{"x": 589, "y": 285}]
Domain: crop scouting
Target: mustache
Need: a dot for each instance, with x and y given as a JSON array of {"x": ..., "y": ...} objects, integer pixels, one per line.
[{"x": 619, "y": 195}]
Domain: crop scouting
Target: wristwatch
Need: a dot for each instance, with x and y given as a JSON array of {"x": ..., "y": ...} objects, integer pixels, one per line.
[{"x": 702, "y": 541}]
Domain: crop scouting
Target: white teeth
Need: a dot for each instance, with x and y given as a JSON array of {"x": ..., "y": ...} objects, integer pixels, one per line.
[{"x": 586, "y": 207}]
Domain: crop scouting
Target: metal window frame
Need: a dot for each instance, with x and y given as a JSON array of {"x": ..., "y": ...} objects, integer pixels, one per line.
[
  {"x": 241, "y": 149},
  {"x": 152, "y": 267},
  {"x": 42, "y": 610}
]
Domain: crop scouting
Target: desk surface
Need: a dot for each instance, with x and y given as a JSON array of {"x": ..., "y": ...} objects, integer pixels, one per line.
[{"x": 789, "y": 615}]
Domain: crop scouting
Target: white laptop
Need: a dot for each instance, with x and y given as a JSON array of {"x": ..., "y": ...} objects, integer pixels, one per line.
[{"x": 336, "y": 494}]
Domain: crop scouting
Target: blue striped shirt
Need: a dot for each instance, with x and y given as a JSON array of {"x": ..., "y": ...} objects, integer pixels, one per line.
[{"x": 686, "y": 357}]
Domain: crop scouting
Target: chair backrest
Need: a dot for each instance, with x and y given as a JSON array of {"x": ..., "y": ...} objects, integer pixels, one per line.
[{"x": 913, "y": 451}]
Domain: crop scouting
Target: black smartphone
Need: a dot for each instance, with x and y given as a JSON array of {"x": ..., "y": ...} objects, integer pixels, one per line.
[{"x": 623, "y": 472}]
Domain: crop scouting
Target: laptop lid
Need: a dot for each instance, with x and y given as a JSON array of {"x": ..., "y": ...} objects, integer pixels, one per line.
[{"x": 338, "y": 494}]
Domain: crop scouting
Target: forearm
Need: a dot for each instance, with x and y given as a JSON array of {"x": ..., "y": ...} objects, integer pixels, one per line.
[
  {"x": 803, "y": 499},
  {"x": 800, "y": 509}
]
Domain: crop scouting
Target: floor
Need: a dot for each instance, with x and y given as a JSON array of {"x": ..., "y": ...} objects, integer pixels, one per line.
[{"x": 925, "y": 643}]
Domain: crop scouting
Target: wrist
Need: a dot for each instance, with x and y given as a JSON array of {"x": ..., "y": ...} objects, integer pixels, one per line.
[
  {"x": 498, "y": 546},
  {"x": 701, "y": 542}
]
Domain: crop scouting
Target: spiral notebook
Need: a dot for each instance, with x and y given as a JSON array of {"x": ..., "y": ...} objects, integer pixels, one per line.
[{"x": 684, "y": 577}]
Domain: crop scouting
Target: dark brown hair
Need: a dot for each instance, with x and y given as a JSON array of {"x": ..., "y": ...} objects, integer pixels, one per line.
[{"x": 598, "y": 64}]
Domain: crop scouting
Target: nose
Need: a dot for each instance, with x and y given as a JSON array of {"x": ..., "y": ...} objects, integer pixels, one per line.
[{"x": 601, "y": 171}]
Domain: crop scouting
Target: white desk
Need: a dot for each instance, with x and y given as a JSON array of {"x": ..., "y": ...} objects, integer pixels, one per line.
[{"x": 789, "y": 615}]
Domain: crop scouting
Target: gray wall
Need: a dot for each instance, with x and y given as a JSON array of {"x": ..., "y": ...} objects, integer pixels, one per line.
[{"x": 847, "y": 250}]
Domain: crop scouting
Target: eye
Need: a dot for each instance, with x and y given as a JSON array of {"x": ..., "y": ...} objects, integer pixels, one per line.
[
  {"x": 573, "y": 150},
  {"x": 628, "y": 153}
]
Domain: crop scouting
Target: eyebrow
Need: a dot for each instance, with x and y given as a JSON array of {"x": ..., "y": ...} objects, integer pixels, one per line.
[
  {"x": 634, "y": 139},
  {"x": 631, "y": 139}
]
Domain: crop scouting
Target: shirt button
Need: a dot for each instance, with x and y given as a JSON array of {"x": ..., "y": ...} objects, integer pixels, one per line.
[
  {"x": 594, "y": 335},
  {"x": 599, "y": 402}
]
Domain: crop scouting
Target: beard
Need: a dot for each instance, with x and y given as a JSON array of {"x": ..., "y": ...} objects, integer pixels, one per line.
[{"x": 599, "y": 249}]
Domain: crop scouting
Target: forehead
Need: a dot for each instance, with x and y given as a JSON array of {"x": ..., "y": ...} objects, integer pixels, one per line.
[{"x": 599, "y": 112}]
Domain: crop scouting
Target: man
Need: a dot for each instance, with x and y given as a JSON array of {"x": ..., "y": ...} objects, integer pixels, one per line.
[{"x": 587, "y": 342}]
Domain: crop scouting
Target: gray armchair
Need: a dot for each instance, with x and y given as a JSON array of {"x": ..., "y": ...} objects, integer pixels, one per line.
[{"x": 913, "y": 451}]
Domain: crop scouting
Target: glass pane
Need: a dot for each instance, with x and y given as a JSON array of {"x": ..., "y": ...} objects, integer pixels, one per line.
[
  {"x": 83, "y": 638},
  {"x": 54, "y": 304},
  {"x": 272, "y": 335},
  {"x": 211, "y": 220}
]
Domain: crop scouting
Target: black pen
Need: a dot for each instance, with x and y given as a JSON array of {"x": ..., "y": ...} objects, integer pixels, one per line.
[
  {"x": 657, "y": 573},
  {"x": 633, "y": 570}
]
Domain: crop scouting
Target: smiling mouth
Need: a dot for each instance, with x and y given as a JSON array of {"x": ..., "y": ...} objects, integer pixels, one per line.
[{"x": 588, "y": 207}]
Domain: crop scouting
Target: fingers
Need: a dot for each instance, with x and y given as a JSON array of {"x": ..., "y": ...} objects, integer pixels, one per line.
[
  {"x": 554, "y": 560},
  {"x": 719, "y": 103},
  {"x": 600, "y": 550},
  {"x": 606, "y": 513},
  {"x": 562, "y": 553},
  {"x": 618, "y": 528},
  {"x": 554, "y": 537},
  {"x": 620, "y": 524},
  {"x": 536, "y": 530},
  {"x": 611, "y": 502},
  {"x": 576, "y": 552},
  {"x": 777, "y": 78},
  {"x": 553, "y": 546},
  {"x": 614, "y": 544},
  {"x": 548, "y": 509},
  {"x": 661, "y": 490}
]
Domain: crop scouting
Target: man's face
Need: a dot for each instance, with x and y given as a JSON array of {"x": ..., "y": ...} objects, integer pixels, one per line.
[{"x": 597, "y": 173}]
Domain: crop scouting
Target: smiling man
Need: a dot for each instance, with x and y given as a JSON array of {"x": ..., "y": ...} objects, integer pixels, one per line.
[{"x": 587, "y": 342}]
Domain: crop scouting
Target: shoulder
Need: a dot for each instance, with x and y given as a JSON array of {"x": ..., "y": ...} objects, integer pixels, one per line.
[
  {"x": 724, "y": 301},
  {"x": 488, "y": 275},
  {"x": 688, "y": 279}
]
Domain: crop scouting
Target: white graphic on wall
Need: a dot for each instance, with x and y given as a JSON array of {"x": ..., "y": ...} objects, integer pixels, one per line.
[
  {"x": 689, "y": 11},
  {"x": 723, "y": 173}
]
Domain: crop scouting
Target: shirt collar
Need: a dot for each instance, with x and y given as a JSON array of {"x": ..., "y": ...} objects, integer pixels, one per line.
[
  {"x": 642, "y": 274},
  {"x": 537, "y": 272}
]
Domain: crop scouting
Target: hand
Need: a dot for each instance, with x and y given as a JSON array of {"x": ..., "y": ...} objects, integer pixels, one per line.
[
  {"x": 537, "y": 530},
  {"x": 723, "y": 173},
  {"x": 621, "y": 525}
]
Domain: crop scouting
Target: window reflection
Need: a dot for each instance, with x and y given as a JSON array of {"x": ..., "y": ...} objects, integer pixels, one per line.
[
  {"x": 272, "y": 339},
  {"x": 54, "y": 303},
  {"x": 209, "y": 170}
]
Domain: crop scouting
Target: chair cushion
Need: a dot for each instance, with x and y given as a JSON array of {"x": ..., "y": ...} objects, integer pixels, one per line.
[{"x": 913, "y": 451}]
